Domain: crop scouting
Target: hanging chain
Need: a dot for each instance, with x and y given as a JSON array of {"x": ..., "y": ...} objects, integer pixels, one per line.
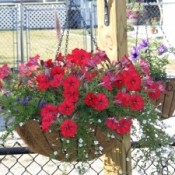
[
  {"x": 137, "y": 26},
  {"x": 86, "y": 27},
  {"x": 65, "y": 25},
  {"x": 168, "y": 42}
]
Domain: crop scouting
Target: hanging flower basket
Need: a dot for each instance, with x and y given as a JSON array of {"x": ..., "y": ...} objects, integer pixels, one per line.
[
  {"x": 78, "y": 106},
  {"x": 51, "y": 144}
]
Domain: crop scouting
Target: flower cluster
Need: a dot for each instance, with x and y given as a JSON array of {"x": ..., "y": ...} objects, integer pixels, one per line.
[
  {"x": 151, "y": 56},
  {"x": 131, "y": 14},
  {"x": 79, "y": 90}
]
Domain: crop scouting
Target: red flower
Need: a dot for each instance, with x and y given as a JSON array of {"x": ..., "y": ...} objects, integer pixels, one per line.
[
  {"x": 101, "y": 102},
  {"x": 59, "y": 57},
  {"x": 108, "y": 80},
  {"x": 66, "y": 108},
  {"x": 68, "y": 128},
  {"x": 45, "y": 125},
  {"x": 79, "y": 57},
  {"x": 57, "y": 81},
  {"x": 57, "y": 70},
  {"x": 122, "y": 99},
  {"x": 119, "y": 82},
  {"x": 97, "y": 58},
  {"x": 48, "y": 63},
  {"x": 124, "y": 126},
  {"x": 43, "y": 82},
  {"x": 154, "y": 91},
  {"x": 132, "y": 81},
  {"x": 71, "y": 82},
  {"x": 48, "y": 109},
  {"x": 71, "y": 94},
  {"x": 90, "y": 99},
  {"x": 33, "y": 61},
  {"x": 126, "y": 63},
  {"x": 144, "y": 65},
  {"x": 48, "y": 114},
  {"x": 136, "y": 102},
  {"x": 4, "y": 71},
  {"x": 90, "y": 75},
  {"x": 111, "y": 123}
]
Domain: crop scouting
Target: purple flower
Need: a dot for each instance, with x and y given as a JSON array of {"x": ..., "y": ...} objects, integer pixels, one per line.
[
  {"x": 26, "y": 100},
  {"x": 134, "y": 53},
  {"x": 41, "y": 103},
  {"x": 17, "y": 100},
  {"x": 1, "y": 108},
  {"x": 162, "y": 49},
  {"x": 143, "y": 44}
]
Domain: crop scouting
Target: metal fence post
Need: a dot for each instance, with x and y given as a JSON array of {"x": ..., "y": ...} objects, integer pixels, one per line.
[{"x": 21, "y": 31}]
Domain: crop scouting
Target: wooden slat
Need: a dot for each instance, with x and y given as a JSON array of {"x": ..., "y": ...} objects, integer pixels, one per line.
[{"x": 168, "y": 104}]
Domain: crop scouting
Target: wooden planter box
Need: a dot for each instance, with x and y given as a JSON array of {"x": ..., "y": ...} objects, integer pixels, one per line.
[{"x": 167, "y": 101}]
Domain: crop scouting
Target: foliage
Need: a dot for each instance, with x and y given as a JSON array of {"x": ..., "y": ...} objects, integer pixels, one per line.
[
  {"x": 73, "y": 92},
  {"x": 152, "y": 56}
]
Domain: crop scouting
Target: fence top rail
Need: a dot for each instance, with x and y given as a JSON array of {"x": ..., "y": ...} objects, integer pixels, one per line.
[
  {"x": 150, "y": 3},
  {"x": 29, "y": 3}
]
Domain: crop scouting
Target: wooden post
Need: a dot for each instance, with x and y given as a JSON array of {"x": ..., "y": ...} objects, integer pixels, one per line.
[{"x": 113, "y": 39}]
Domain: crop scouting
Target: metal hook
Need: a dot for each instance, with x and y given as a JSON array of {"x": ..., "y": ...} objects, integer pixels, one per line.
[{"x": 106, "y": 13}]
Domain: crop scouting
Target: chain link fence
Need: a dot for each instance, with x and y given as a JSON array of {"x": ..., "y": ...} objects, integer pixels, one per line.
[{"x": 28, "y": 29}]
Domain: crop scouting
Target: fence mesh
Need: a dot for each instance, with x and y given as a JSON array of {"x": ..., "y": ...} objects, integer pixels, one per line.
[{"x": 39, "y": 36}]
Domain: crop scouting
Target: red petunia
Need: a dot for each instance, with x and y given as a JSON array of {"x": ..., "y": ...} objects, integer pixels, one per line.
[
  {"x": 59, "y": 57},
  {"x": 48, "y": 110},
  {"x": 90, "y": 99},
  {"x": 90, "y": 75},
  {"x": 144, "y": 65},
  {"x": 111, "y": 123},
  {"x": 48, "y": 114},
  {"x": 33, "y": 61},
  {"x": 126, "y": 63},
  {"x": 43, "y": 82},
  {"x": 124, "y": 126},
  {"x": 132, "y": 81},
  {"x": 71, "y": 94},
  {"x": 122, "y": 99},
  {"x": 68, "y": 128},
  {"x": 48, "y": 63},
  {"x": 4, "y": 71},
  {"x": 66, "y": 108},
  {"x": 57, "y": 70},
  {"x": 71, "y": 82},
  {"x": 108, "y": 80},
  {"x": 136, "y": 102},
  {"x": 101, "y": 102},
  {"x": 154, "y": 91},
  {"x": 79, "y": 57},
  {"x": 56, "y": 81},
  {"x": 119, "y": 82}
]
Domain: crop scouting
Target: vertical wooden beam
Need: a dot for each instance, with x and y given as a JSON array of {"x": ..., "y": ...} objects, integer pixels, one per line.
[{"x": 113, "y": 39}]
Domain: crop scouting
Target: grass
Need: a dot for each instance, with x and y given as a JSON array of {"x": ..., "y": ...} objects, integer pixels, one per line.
[
  {"x": 42, "y": 42},
  {"x": 45, "y": 43}
]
